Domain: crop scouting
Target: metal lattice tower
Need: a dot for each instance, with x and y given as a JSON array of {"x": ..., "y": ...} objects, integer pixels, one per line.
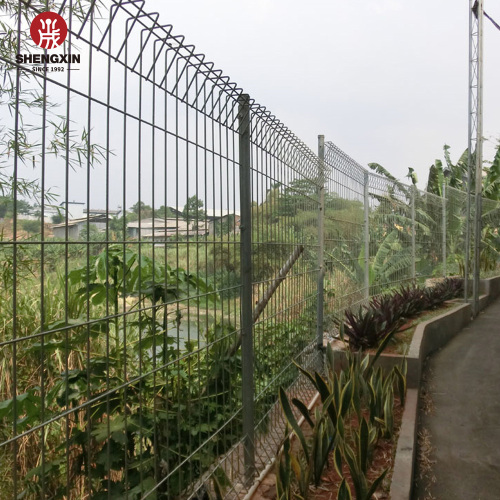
[{"x": 475, "y": 148}]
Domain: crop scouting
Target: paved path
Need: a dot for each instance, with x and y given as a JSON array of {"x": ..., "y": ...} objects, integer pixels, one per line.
[{"x": 463, "y": 385}]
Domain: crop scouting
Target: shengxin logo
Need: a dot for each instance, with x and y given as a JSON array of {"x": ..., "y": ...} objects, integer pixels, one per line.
[{"x": 48, "y": 30}]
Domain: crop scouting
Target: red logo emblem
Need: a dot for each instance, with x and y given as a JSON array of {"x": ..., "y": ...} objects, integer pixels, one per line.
[{"x": 48, "y": 30}]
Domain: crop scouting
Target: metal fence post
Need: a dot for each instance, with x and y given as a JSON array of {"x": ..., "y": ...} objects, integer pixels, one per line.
[
  {"x": 413, "y": 234},
  {"x": 246, "y": 287},
  {"x": 366, "y": 203},
  {"x": 479, "y": 161},
  {"x": 321, "y": 241},
  {"x": 477, "y": 243},
  {"x": 444, "y": 229}
]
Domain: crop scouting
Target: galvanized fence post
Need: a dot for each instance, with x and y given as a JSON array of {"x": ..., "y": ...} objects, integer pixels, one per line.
[
  {"x": 477, "y": 242},
  {"x": 444, "y": 229},
  {"x": 413, "y": 233},
  {"x": 366, "y": 203},
  {"x": 321, "y": 242},
  {"x": 247, "y": 354}
]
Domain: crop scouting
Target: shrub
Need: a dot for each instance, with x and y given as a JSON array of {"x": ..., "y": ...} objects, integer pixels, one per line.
[
  {"x": 31, "y": 226},
  {"x": 367, "y": 327},
  {"x": 411, "y": 299},
  {"x": 385, "y": 313},
  {"x": 447, "y": 289}
]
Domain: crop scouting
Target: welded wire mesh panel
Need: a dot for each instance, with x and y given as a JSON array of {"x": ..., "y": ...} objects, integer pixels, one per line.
[
  {"x": 379, "y": 232},
  {"x": 490, "y": 238},
  {"x": 122, "y": 372},
  {"x": 344, "y": 231},
  {"x": 122, "y": 306},
  {"x": 285, "y": 186},
  {"x": 456, "y": 212},
  {"x": 391, "y": 233},
  {"x": 429, "y": 223},
  {"x": 121, "y": 368}
]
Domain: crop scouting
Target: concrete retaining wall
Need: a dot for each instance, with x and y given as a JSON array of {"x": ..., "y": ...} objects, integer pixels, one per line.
[
  {"x": 429, "y": 336},
  {"x": 490, "y": 287}
]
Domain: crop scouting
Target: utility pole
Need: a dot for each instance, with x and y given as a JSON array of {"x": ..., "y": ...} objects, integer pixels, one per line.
[{"x": 475, "y": 149}]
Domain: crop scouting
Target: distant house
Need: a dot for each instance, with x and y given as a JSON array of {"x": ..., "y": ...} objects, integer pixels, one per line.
[
  {"x": 224, "y": 222},
  {"x": 76, "y": 226},
  {"x": 74, "y": 210},
  {"x": 213, "y": 217},
  {"x": 161, "y": 229},
  {"x": 78, "y": 218},
  {"x": 101, "y": 211}
]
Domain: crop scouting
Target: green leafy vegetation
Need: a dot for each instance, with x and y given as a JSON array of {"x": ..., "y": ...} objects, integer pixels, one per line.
[
  {"x": 109, "y": 352},
  {"x": 130, "y": 417}
]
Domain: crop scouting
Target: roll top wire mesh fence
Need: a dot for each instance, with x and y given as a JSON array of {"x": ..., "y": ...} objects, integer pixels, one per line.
[
  {"x": 376, "y": 230},
  {"x": 155, "y": 303},
  {"x": 381, "y": 233},
  {"x": 145, "y": 337}
]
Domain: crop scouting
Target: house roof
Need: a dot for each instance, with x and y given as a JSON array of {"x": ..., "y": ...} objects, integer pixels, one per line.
[
  {"x": 169, "y": 225},
  {"x": 101, "y": 211},
  {"x": 82, "y": 220},
  {"x": 211, "y": 212}
]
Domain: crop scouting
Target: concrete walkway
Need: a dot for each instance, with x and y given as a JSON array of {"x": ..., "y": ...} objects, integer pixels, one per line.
[{"x": 460, "y": 414}]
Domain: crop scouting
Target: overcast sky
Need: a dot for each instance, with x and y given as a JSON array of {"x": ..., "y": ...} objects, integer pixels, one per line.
[{"x": 386, "y": 80}]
